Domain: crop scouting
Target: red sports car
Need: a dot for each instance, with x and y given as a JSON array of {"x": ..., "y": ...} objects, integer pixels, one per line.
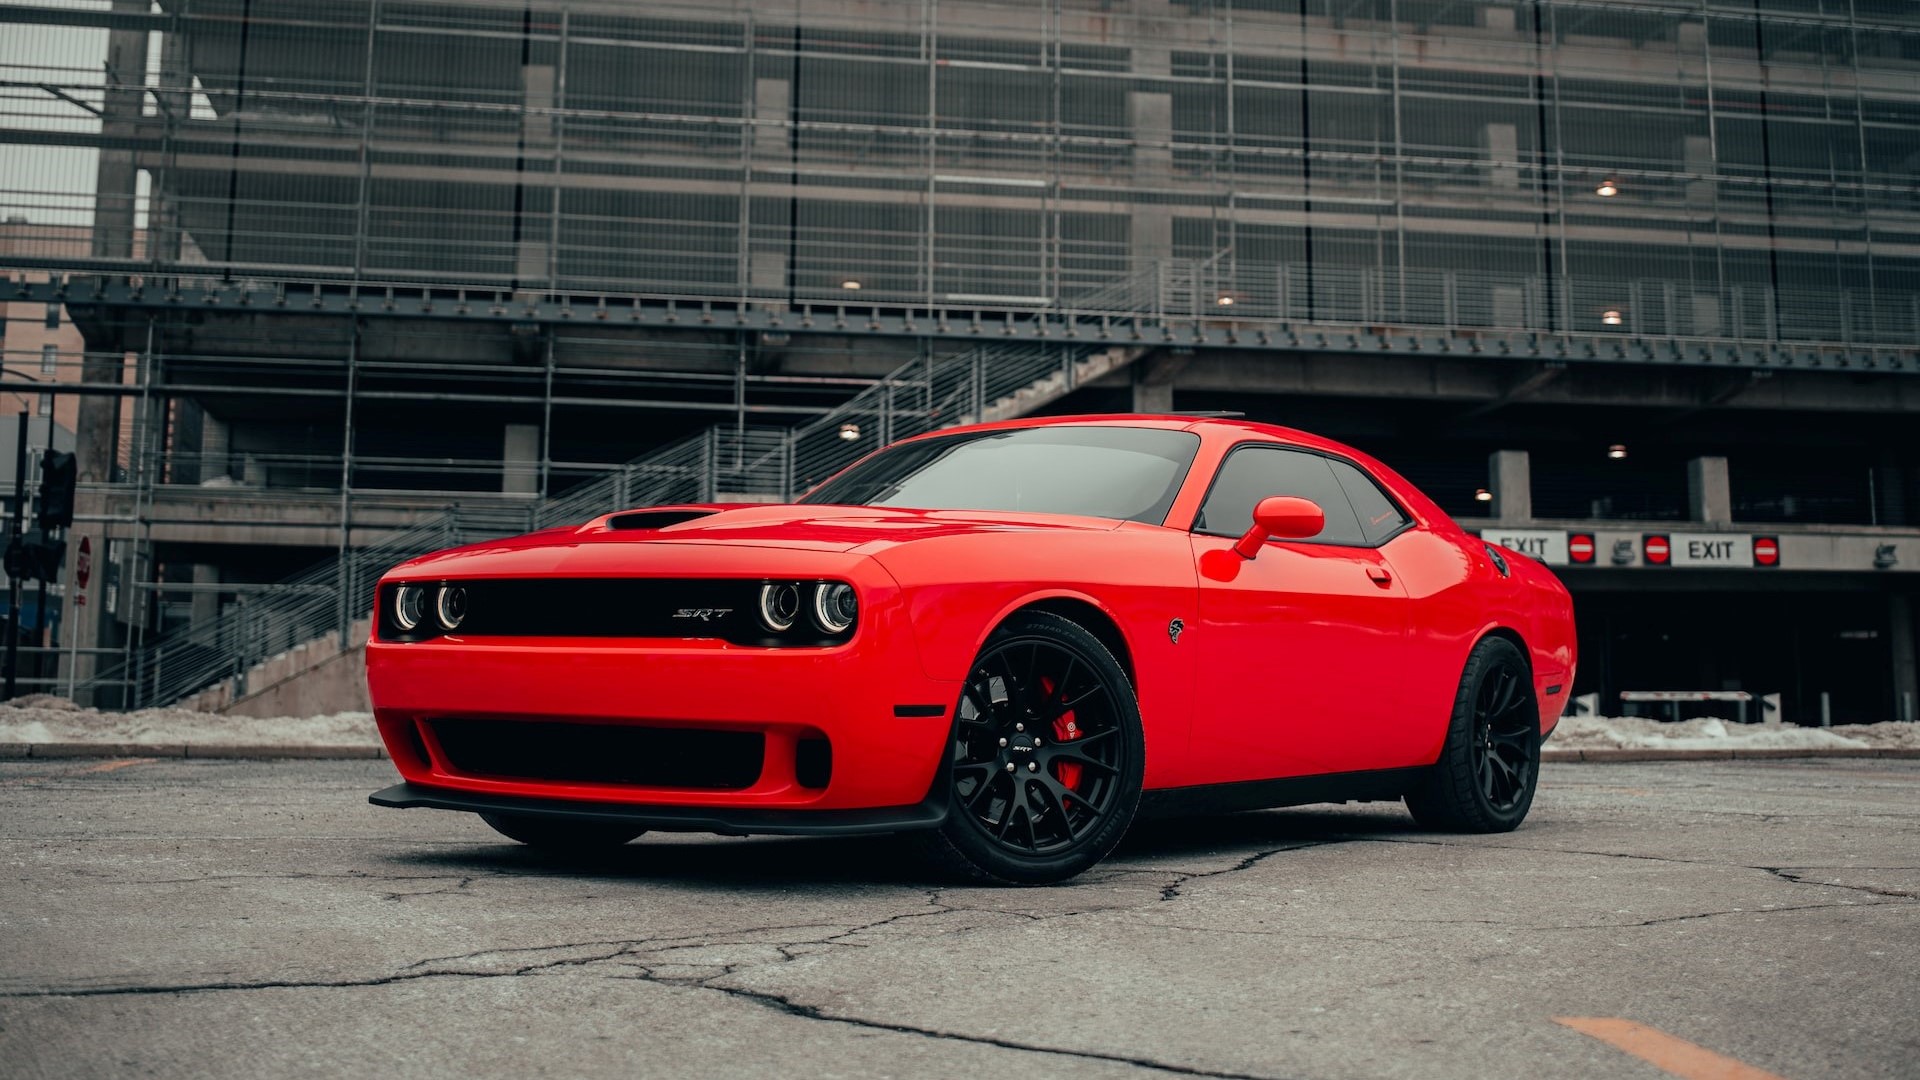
[{"x": 1010, "y": 637}]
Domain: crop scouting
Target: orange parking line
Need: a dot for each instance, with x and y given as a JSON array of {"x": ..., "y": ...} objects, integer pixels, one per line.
[
  {"x": 109, "y": 766},
  {"x": 1656, "y": 1047}
]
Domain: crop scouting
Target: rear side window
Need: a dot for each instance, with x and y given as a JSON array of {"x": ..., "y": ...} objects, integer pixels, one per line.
[
  {"x": 1252, "y": 473},
  {"x": 1380, "y": 517}
]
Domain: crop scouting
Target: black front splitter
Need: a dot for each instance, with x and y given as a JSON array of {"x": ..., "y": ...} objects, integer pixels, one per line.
[{"x": 723, "y": 820}]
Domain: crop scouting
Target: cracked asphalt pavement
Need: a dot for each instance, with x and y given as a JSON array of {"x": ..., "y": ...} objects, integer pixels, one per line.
[{"x": 246, "y": 919}]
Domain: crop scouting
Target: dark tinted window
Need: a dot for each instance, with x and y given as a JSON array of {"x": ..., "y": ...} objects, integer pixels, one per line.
[
  {"x": 1127, "y": 473},
  {"x": 1252, "y": 473},
  {"x": 1379, "y": 516}
]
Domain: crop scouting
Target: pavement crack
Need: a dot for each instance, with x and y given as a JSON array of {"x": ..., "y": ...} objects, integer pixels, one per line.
[
  {"x": 788, "y": 1006},
  {"x": 1787, "y": 873},
  {"x": 1183, "y": 878}
]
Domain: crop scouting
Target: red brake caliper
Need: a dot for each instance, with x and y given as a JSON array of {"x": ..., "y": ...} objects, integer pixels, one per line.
[{"x": 1064, "y": 730}]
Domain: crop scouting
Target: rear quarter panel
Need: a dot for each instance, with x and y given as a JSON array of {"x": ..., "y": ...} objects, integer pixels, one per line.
[{"x": 1459, "y": 597}]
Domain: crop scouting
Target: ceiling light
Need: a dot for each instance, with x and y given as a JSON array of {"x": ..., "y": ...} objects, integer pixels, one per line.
[
  {"x": 852, "y": 284},
  {"x": 1224, "y": 300},
  {"x": 1617, "y": 451},
  {"x": 849, "y": 432},
  {"x": 1612, "y": 317},
  {"x": 1607, "y": 189},
  {"x": 1482, "y": 495}
]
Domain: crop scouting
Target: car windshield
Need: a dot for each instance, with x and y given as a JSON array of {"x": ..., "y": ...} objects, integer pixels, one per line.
[{"x": 1130, "y": 474}]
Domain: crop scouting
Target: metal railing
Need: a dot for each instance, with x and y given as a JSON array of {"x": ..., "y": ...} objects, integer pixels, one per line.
[{"x": 728, "y": 462}]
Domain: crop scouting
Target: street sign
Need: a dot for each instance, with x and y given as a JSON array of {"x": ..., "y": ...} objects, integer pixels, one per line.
[
  {"x": 1580, "y": 547},
  {"x": 1547, "y": 545},
  {"x": 1712, "y": 549},
  {"x": 1766, "y": 551},
  {"x": 83, "y": 563},
  {"x": 1656, "y": 549}
]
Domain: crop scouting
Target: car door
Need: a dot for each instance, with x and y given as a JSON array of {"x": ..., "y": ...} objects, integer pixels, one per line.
[{"x": 1299, "y": 648}]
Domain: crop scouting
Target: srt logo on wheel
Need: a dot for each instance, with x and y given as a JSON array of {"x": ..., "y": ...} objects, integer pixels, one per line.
[{"x": 704, "y": 614}]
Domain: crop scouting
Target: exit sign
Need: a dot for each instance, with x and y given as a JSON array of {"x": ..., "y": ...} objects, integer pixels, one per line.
[{"x": 1711, "y": 549}]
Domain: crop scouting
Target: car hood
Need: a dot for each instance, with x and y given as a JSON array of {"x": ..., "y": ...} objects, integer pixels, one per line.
[{"x": 646, "y": 539}]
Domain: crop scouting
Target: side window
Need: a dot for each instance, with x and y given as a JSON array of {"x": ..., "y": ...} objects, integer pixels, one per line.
[
  {"x": 1252, "y": 473},
  {"x": 1380, "y": 516}
]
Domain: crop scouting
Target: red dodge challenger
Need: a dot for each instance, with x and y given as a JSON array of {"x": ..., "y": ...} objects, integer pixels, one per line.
[{"x": 1011, "y": 638}]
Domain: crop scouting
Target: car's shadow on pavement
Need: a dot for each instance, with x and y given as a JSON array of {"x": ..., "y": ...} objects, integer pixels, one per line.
[{"x": 696, "y": 860}]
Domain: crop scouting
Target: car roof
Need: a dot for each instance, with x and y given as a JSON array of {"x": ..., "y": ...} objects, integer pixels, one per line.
[{"x": 1211, "y": 428}]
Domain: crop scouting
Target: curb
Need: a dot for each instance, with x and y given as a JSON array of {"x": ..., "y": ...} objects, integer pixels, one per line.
[
  {"x": 1622, "y": 754},
  {"x": 253, "y": 752}
]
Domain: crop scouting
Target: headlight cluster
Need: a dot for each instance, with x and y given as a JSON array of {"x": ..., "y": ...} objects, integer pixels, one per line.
[
  {"x": 421, "y": 611},
  {"x": 831, "y": 606}
]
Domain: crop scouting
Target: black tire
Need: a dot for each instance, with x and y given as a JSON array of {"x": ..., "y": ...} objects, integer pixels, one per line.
[
  {"x": 559, "y": 835},
  {"x": 1490, "y": 764},
  {"x": 1046, "y": 698}
]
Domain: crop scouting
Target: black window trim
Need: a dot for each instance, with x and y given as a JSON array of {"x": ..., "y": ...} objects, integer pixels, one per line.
[{"x": 1385, "y": 493}]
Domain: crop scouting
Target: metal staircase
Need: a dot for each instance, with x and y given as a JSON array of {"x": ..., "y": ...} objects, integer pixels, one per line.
[{"x": 270, "y": 628}]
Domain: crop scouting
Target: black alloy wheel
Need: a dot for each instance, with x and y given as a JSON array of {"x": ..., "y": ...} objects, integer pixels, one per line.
[
  {"x": 1490, "y": 764},
  {"x": 1046, "y": 755}
]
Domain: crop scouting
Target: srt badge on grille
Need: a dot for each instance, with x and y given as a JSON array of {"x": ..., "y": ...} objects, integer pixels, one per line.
[{"x": 704, "y": 614}]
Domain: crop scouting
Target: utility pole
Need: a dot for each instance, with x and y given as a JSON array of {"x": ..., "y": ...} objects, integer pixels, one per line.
[{"x": 13, "y": 541}]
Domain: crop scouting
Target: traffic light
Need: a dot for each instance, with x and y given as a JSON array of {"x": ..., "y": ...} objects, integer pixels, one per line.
[{"x": 57, "y": 473}]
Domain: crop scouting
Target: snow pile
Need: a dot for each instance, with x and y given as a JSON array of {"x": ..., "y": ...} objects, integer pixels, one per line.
[
  {"x": 44, "y": 718},
  {"x": 1708, "y": 733}
]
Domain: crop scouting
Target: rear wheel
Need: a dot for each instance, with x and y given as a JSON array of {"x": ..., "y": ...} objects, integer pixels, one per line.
[
  {"x": 1046, "y": 758},
  {"x": 1490, "y": 764},
  {"x": 549, "y": 834}
]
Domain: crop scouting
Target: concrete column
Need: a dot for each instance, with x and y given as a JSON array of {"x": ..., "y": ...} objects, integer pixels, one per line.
[
  {"x": 206, "y": 605},
  {"x": 1502, "y": 144},
  {"x": 1150, "y": 116},
  {"x": 1153, "y": 379},
  {"x": 520, "y": 459},
  {"x": 536, "y": 132},
  {"x": 1510, "y": 478},
  {"x": 1709, "y": 497},
  {"x": 1904, "y": 640},
  {"x": 115, "y": 176},
  {"x": 772, "y": 107},
  {"x": 215, "y": 441}
]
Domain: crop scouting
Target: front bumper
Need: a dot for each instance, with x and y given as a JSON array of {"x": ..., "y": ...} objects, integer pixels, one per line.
[
  {"x": 728, "y": 821},
  {"x": 885, "y": 721}
]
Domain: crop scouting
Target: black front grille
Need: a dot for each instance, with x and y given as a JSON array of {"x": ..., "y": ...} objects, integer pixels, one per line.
[
  {"x": 602, "y": 753},
  {"x": 727, "y": 609}
]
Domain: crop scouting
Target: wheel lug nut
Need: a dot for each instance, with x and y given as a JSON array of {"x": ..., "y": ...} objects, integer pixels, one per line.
[
  {"x": 1009, "y": 766},
  {"x": 1033, "y": 766},
  {"x": 1003, "y": 742},
  {"x": 1019, "y": 727},
  {"x": 1036, "y": 740}
]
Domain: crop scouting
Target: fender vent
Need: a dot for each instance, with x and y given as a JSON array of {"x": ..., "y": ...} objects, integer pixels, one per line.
[{"x": 654, "y": 519}]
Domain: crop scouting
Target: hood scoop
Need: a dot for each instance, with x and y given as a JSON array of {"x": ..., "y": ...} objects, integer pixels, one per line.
[{"x": 654, "y": 519}]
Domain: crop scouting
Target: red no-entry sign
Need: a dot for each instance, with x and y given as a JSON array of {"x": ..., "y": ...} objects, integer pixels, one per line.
[
  {"x": 1766, "y": 551},
  {"x": 1580, "y": 547},
  {"x": 1657, "y": 550}
]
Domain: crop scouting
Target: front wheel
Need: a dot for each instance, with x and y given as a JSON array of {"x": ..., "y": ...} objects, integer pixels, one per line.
[
  {"x": 560, "y": 836},
  {"x": 1490, "y": 764},
  {"x": 1046, "y": 757}
]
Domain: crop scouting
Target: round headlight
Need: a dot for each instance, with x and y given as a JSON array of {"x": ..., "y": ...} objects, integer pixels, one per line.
[
  {"x": 409, "y": 606},
  {"x": 779, "y": 605},
  {"x": 452, "y": 606},
  {"x": 834, "y": 606}
]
